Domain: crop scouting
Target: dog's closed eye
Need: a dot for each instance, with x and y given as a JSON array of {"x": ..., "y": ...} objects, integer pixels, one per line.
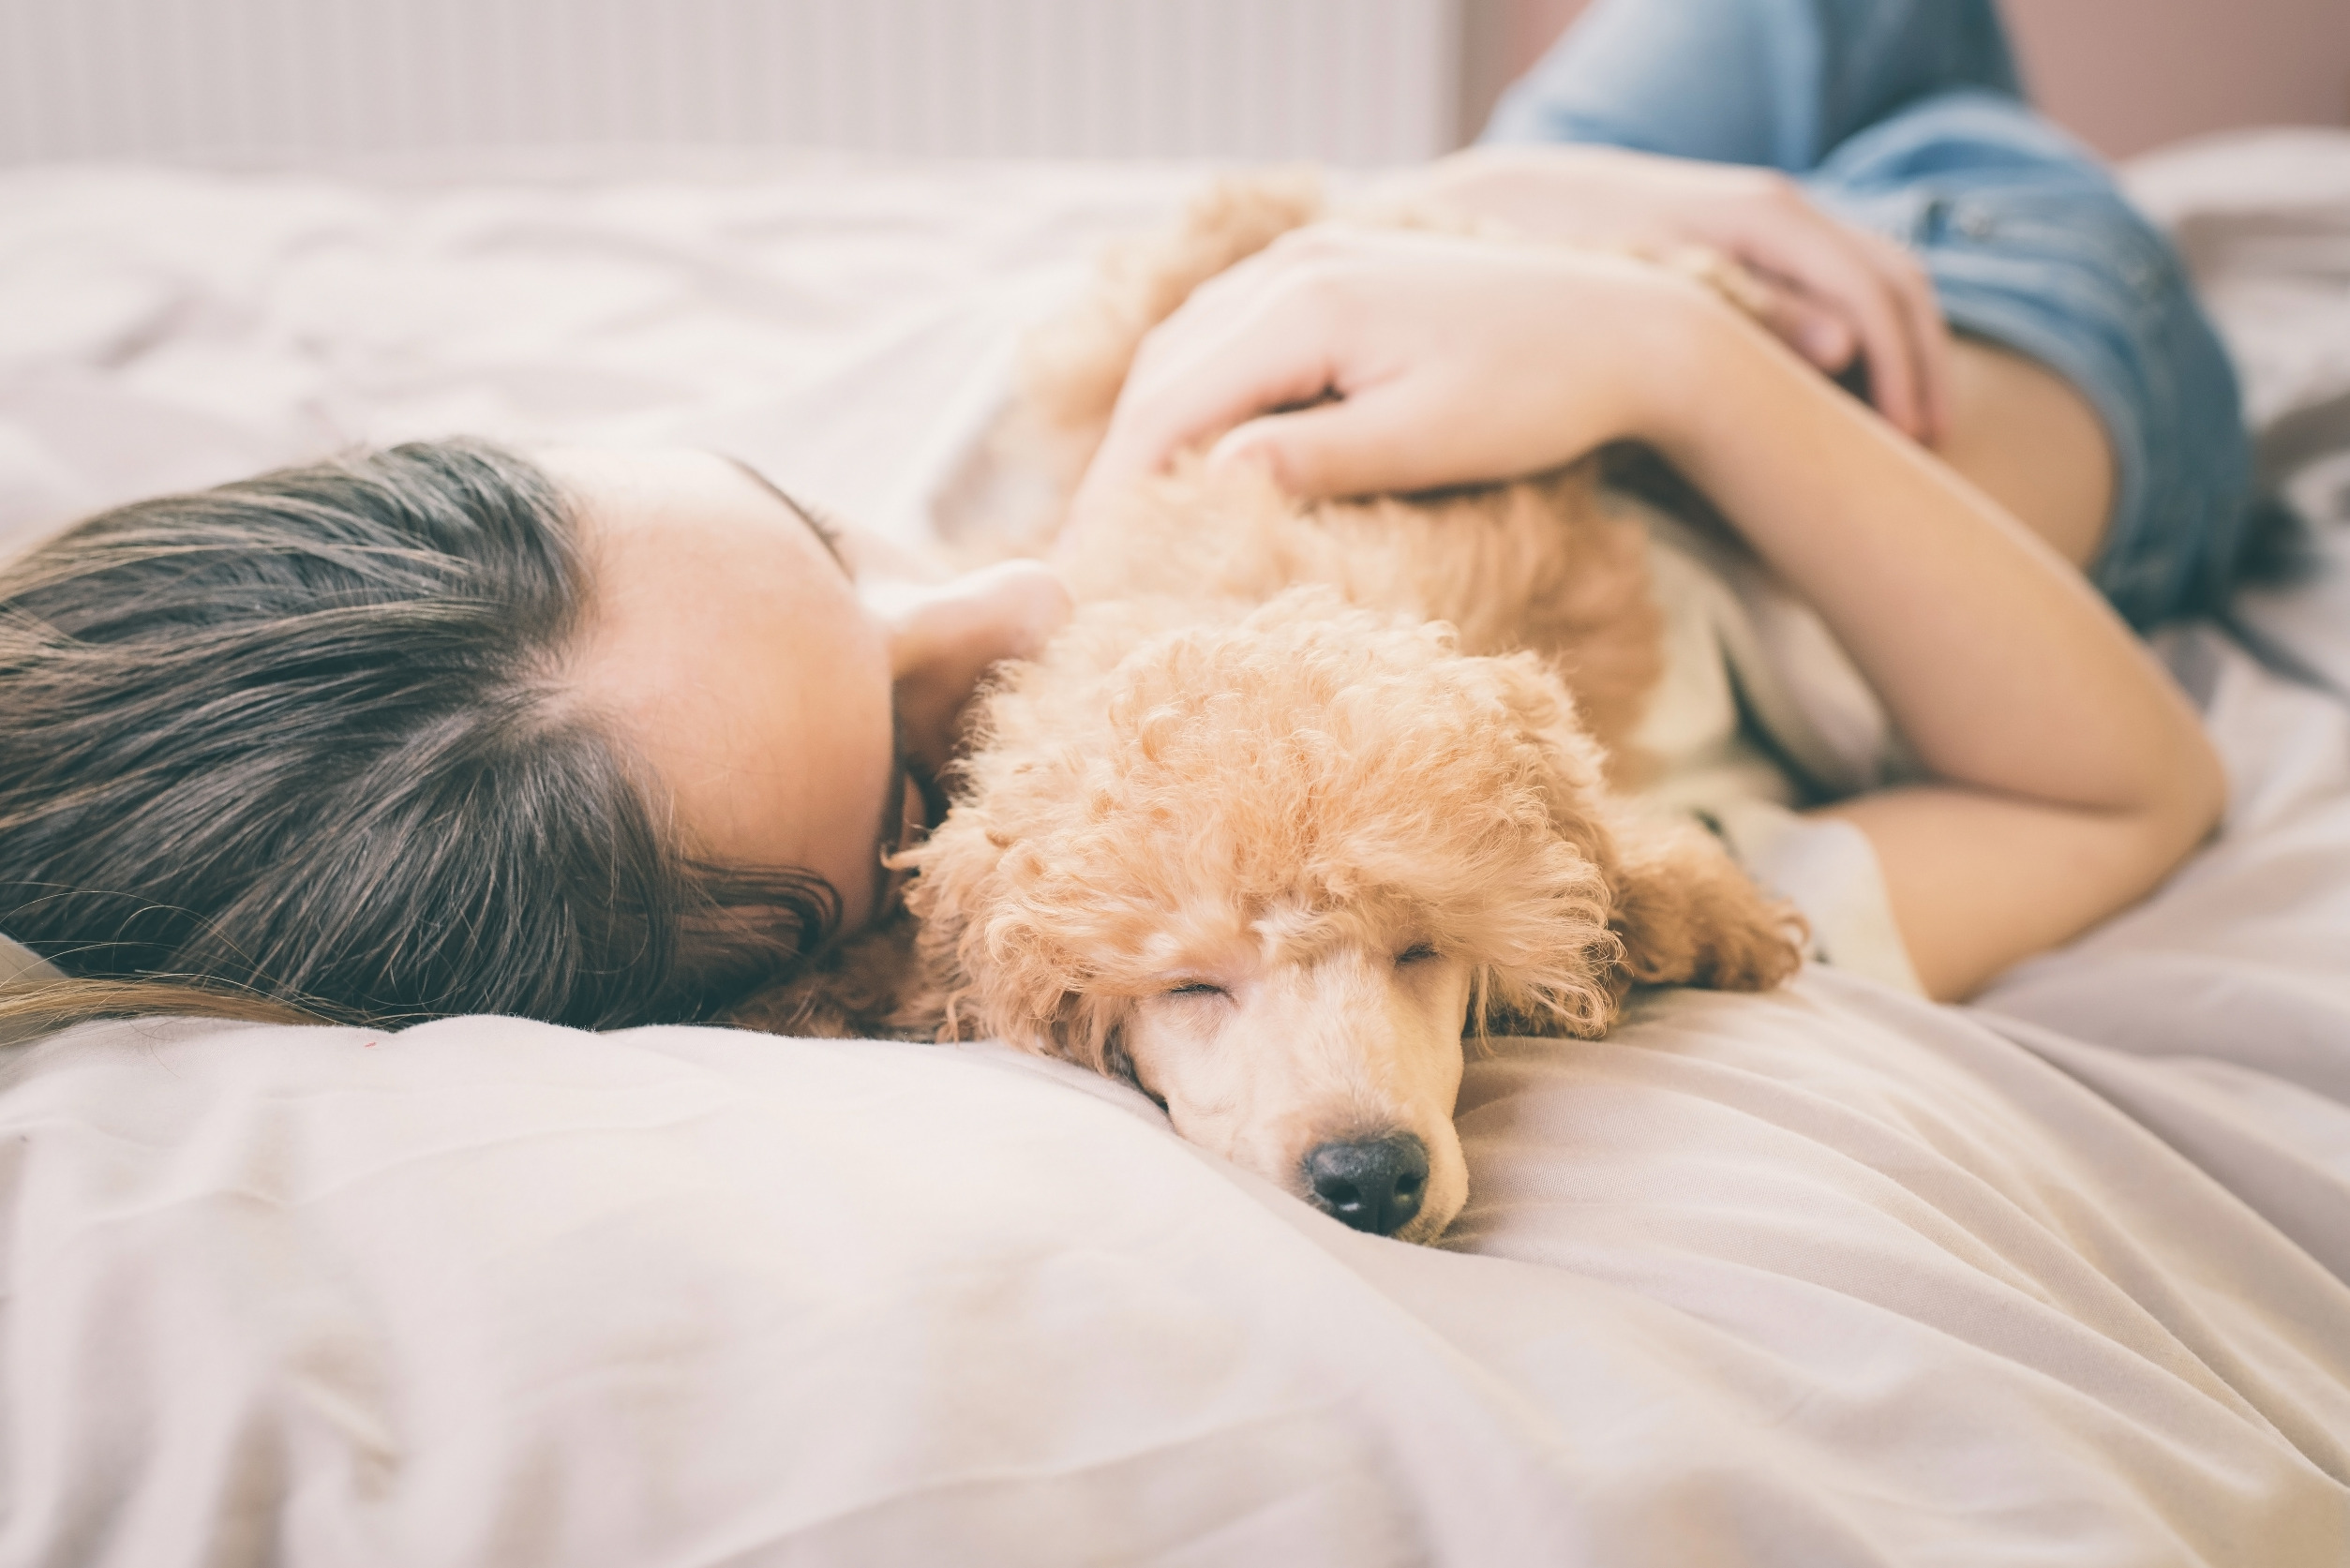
[
  {"x": 1418, "y": 952},
  {"x": 1194, "y": 988}
]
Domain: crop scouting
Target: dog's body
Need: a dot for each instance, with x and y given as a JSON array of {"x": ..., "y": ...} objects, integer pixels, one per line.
[{"x": 1304, "y": 793}]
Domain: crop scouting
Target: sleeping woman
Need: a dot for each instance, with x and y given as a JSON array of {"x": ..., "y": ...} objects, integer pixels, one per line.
[{"x": 610, "y": 738}]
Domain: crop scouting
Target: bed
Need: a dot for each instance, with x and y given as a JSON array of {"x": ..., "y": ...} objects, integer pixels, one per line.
[{"x": 1831, "y": 1277}]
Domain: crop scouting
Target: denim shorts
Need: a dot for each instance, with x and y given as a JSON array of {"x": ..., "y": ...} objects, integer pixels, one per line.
[{"x": 2032, "y": 247}]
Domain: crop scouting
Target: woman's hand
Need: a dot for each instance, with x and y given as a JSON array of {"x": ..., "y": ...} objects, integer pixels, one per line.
[
  {"x": 1831, "y": 290},
  {"x": 947, "y": 633},
  {"x": 1395, "y": 360}
]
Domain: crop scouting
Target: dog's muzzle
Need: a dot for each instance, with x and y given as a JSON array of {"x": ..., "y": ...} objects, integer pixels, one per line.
[{"x": 1372, "y": 1184}]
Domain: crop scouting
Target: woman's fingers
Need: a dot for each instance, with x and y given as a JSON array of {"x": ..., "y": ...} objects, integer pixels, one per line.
[
  {"x": 1811, "y": 327},
  {"x": 1929, "y": 334},
  {"x": 1249, "y": 347},
  {"x": 1282, "y": 329},
  {"x": 1884, "y": 298},
  {"x": 1371, "y": 441},
  {"x": 1828, "y": 264}
]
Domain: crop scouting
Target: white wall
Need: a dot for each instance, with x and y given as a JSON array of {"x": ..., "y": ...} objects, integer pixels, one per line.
[{"x": 1345, "y": 80}]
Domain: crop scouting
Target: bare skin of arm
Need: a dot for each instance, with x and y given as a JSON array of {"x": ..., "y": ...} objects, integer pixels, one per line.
[
  {"x": 2030, "y": 442},
  {"x": 2057, "y": 799},
  {"x": 2053, "y": 803}
]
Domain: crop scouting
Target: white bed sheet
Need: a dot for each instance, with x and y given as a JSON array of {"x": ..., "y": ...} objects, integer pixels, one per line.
[
  {"x": 849, "y": 325},
  {"x": 1834, "y": 1278},
  {"x": 1829, "y": 1277}
]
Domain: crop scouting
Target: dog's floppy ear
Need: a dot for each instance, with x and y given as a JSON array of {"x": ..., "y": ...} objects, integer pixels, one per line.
[
  {"x": 1685, "y": 911},
  {"x": 984, "y": 960}
]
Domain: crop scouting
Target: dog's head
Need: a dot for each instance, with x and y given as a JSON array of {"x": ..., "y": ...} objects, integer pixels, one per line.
[{"x": 1269, "y": 869}]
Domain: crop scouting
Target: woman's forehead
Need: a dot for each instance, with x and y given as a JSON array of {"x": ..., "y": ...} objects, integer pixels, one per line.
[{"x": 728, "y": 644}]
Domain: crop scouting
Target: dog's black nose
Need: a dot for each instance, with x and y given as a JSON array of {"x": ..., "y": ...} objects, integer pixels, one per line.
[{"x": 1373, "y": 1184}]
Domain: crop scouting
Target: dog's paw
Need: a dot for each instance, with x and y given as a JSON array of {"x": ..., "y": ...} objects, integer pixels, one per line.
[{"x": 1689, "y": 915}]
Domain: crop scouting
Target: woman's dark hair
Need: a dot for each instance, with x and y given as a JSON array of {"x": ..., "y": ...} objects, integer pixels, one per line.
[{"x": 305, "y": 739}]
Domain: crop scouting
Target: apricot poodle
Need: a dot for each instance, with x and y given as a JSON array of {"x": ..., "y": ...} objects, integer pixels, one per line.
[{"x": 1303, "y": 796}]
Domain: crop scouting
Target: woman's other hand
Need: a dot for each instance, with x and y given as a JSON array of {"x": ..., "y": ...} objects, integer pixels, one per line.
[
  {"x": 1833, "y": 292},
  {"x": 1351, "y": 360}
]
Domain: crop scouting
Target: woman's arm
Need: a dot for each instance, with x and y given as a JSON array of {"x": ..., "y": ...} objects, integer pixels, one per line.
[
  {"x": 2069, "y": 776},
  {"x": 1829, "y": 291}
]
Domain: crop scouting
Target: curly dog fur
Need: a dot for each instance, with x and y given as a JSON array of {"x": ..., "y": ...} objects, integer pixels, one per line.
[
  {"x": 1303, "y": 793},
  {"x": 1552, "y": 564}
]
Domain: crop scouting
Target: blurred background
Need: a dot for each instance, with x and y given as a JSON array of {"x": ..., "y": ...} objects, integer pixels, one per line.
[
  {"x": 2127, "y": 75},
  {"x": 1346, "y": 80}
]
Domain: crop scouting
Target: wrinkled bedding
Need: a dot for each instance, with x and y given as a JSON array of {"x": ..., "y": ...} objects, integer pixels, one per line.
[{"x": 1831, "y": 1277}]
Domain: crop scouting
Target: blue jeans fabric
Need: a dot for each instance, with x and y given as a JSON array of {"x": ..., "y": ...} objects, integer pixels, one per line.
[{"x": 1906, "y": 116}]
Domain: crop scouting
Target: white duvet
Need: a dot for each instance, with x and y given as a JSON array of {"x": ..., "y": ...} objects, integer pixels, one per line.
[{"x": 1834, "y": 1277}]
